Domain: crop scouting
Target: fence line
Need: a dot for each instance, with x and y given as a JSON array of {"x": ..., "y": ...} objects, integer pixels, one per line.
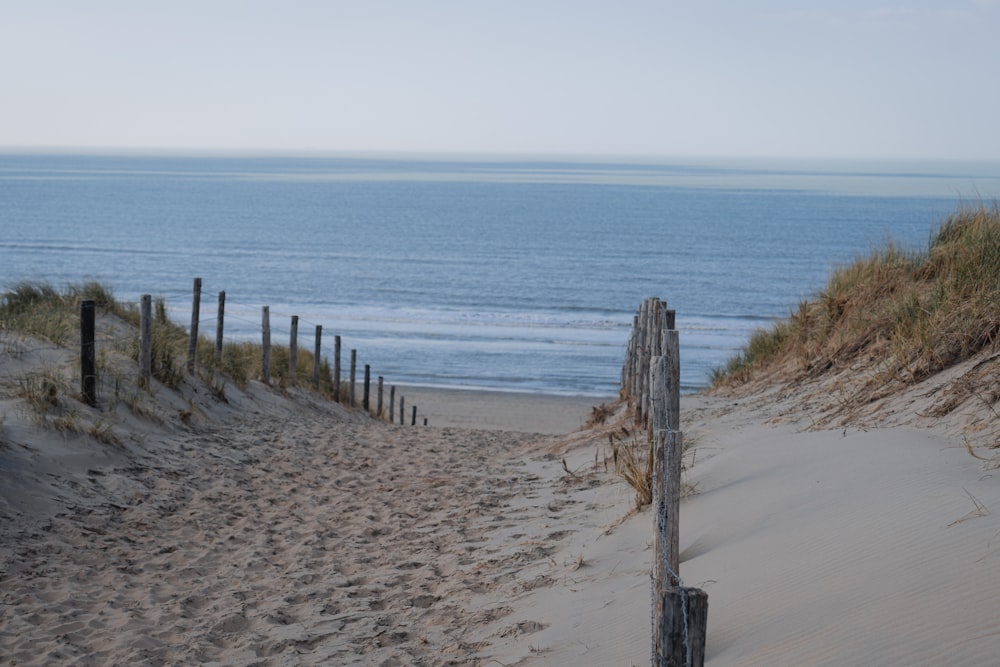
[
  {"x": 651, "y": 385},
  {"x": 145, "y": 349}
]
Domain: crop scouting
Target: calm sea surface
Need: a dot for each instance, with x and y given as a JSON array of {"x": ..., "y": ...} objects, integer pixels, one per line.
[{"x": 499, "y": 274}]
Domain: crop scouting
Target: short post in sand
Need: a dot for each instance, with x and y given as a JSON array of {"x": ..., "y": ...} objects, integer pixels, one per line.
[
  {"x": 378, "y": 403},
  {"x": 366, "y": 393},
  {"x": 392, "y": 404},
  {"x": 353, "y": 378},
  {"x": 316, "y": 356},
  {"x": 88, "y": 356},
  {"x": 293, "y": 351},
  {"x": 193, "y": 333},
  {"x": 145, "y": 340},
  {"x": 336, "y": 368},
  {"x": 265, "y": 361},
  {"x": 219, "y": 326}
]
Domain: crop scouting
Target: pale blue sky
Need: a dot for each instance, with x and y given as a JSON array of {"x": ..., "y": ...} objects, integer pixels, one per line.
[{"x": 827, "y": 78}]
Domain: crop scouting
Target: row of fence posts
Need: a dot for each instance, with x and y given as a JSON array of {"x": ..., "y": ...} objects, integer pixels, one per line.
[
  {"x": 651, "y": 384},
  {"x": 88, "y": 356}
]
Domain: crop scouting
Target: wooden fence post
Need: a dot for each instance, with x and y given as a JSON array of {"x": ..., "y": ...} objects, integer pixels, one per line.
[
  {"x": 672, "y": 352},
  {"x": 293, "y": 352},
  {"x": 402, "y": 411},
  {"x": 316, "y": 356},
  {"x": 145, "y": 341},
  {"x": 392, "y": 404},
  {"x": 88, "y": 352},
  {"x": 265, "y": 362},
  {"x": 336, "y": 368},
  {"x": 366, "y": 392},
  {"x": 413, "y": 422},
  {"x": 378, "y": 404},
  {"x": 195, "y": 316},
  {"x": 679, "y": 633},
  {"x": 353, "y": 378},
  {"x": 680, "y": 614},
  {"x": 219, "y": 325},
  {"x": 662, "y": 511}
]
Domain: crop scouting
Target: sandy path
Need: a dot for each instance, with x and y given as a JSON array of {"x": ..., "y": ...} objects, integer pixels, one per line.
[{"x": 290, "y": 542}]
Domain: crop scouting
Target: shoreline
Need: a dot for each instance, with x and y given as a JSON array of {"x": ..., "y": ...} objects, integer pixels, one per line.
[{"x": 523, "y": 412}]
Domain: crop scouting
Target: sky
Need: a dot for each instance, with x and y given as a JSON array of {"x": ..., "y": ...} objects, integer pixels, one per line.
[{"x": 907, "y": 79}]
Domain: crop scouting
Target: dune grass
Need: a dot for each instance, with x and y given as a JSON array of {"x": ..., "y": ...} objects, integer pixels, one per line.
[
  {"x": 904, "y": 314},
  {"x": 38, "y": 310}
]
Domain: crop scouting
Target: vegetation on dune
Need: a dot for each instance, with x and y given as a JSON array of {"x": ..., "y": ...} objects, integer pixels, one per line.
[
  {"x": 899, "y": 315},
  {"x": 38, "y": 311}
]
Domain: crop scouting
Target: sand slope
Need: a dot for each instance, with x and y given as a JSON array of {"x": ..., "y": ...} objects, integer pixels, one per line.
[
  {"x": 854, "y": 547},
  {"x": 279, "y": 530}
]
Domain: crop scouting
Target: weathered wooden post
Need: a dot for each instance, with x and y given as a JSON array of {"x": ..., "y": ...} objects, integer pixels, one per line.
[
  {"x": 293, "y": 352},
  {"x": 336, "y": 368},
  {"x": 219, "y": 324},
  {"x": 378, "y": 404},
  {"x": 392, "y": 404},
  {"x": 193, "y": 334},
  {"x": 316, "y": 356},
  {"x": 353, "y": 379},
  {"x": 402, "y": 411},
  {"x": 681, "y": 619},
  {"x": 265, "y": 362},
  {"x": 365, "y": 395},
  {"x": 145, "y": 341},
  {"x": 680, "y": 613},
  {"x": 88, "y": 352},
  {"x": 413, "y": 421},
  {"x": 665, "y": 543}
]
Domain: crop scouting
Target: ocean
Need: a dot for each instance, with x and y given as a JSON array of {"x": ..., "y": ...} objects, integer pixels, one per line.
[{"x": 463, "y": 272}]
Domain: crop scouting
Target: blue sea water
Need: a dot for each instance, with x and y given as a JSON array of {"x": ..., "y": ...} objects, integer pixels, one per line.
[{"x": 491, "y": 273}]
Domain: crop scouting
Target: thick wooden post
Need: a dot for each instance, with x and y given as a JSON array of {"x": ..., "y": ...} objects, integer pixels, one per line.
[
  {"x": 145, "y": 341},
  {"x": 681, "y": 622},
  {"x": 413, "y": 421},
  {"x": 392, "y": 404},
  {"x": 402, "y": 411},
  {"x": 88, "y": 352},
  {"x": 666, "y": 479},
  {"x": 378, "y": 404},
  {"x": 366, "y": 393},
  {"x": 193, "y": 334},
  {"x": 336, "y": 368},
  {"x": 316, "y": 356},
  {"x": 219, "y": 326},
  {"x": 680, "y": 614},
  {"x": 672, "y": 352},
  {"x": 293, "y": 352},
  {"x": 668, "y": 446},
  {"x": 265, "y": 362}
]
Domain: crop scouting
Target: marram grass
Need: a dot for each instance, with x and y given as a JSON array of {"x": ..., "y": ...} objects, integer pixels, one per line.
[{"x": 908, "y": 313}]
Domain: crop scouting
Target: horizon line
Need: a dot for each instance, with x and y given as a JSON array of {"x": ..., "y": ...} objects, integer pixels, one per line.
[{"x": 455, "y": 155}]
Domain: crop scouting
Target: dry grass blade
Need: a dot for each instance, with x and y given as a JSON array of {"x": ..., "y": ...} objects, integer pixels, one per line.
[{"x": 980, "y": 510}]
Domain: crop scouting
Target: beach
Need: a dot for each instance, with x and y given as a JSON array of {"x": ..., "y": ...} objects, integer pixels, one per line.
[{"x": 279, "y": 529}]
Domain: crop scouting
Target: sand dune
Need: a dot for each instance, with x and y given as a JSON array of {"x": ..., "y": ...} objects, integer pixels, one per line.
[{"x": 284, "y": 531}]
